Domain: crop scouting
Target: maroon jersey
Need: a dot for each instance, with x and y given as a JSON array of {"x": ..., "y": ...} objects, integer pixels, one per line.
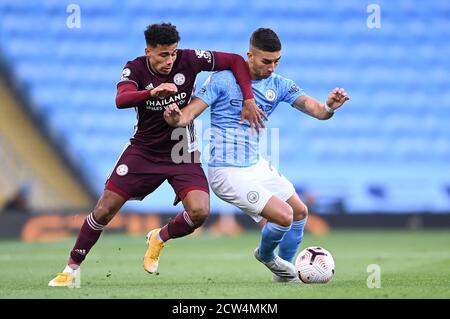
[{"x": 152, "y": 133}]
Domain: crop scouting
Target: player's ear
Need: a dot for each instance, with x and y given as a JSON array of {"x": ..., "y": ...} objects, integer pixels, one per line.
[
  {"x": 147, "y": 51},
  {"x": 249, "y": 55}
]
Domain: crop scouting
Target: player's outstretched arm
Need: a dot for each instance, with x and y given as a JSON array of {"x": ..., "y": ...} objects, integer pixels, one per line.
[
  {"x": 128, "y": 94},
  {"x": 177, "y": 118},
  {"x": 322, "y": 111}
]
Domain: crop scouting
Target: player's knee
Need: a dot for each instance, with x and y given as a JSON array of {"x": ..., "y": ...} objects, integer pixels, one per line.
[
  {"x": 301, "y": 212},
  {"x": 286, "y": 220},
  {"x": 103, "y": 214},
  {"x": 198, "y": 214},
  {"x": 285, "y": 216}
]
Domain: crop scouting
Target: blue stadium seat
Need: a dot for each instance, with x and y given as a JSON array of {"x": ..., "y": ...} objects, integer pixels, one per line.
[{"x": 397, "y": 77}]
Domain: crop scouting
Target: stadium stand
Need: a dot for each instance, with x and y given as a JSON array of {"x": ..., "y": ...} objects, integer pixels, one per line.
[
  {"x": 387, "y": 149},
  {"x": 33, "y": 177}
]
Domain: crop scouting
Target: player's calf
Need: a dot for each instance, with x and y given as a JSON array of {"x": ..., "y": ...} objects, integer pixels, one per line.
[{"x": 292, "y": 239}]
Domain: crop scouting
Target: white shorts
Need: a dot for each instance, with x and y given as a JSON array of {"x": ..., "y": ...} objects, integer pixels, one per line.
[{"x": 250, "y": 188}]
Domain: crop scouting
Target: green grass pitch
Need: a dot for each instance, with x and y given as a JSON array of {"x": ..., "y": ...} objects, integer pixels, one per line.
[{"x": 414, "y": 264}]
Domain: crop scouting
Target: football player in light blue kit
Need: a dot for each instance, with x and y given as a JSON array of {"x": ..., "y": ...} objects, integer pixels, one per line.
[{"x": 237, "y": 172}]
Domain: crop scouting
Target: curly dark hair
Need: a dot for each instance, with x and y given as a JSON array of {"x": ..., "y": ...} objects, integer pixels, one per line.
[
  {"x": 266, "y": 40},
  {"x": 162, "y": 33}
]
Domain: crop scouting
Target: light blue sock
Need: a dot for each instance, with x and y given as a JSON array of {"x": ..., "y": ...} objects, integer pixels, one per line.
[
  {"x": 271, "y": 235},
  {"x": 292, "y": 240}
]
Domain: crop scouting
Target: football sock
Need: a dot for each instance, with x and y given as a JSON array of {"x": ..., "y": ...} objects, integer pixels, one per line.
[
  {"x": 87, "y": 237},
  {"x": 291, "y": 241},
  {"x": 271, "y": 236},
  {"x": 69, "y": 269},
  {"x": 179, "y": 226}
]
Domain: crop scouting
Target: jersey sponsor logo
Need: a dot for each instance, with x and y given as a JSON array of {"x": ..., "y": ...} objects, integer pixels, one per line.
[
  {"x": 270, "y": 95},
  {"x": 125, "y": 74},
  {"x": 159, "y": 105},
  {"x": 149, "y": 87},
  {"x": 204, "y": 54},
  {"x": 238, "y": 103},
  {"x": 156, "y": 108},
  {"x": 122, "y": 170},
  {"x": 253, "y": 197},
  {"x": 179, "y": 79}
]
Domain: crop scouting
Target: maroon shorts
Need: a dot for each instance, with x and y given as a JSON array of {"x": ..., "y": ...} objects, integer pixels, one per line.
[{"x": 136, "y": 175}]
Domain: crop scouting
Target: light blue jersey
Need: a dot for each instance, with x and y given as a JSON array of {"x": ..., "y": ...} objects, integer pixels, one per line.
[{"x": 232, "y": 143}]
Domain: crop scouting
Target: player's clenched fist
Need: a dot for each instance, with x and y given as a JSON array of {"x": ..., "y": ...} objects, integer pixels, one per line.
[
  {"x": 336, "y": 98},
  {"x": 164, "y": 90}
]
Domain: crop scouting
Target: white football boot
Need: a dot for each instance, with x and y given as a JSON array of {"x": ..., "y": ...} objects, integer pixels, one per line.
[{"x": 280, "y": 267}]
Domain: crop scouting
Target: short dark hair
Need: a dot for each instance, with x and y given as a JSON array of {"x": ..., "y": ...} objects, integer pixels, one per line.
[
  {"x": 266, "y": 40},
  {"x": 162, "y": 33}
]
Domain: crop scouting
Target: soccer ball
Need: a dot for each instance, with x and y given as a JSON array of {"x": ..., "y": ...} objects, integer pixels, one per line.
[{"x": 315, "y": 265}]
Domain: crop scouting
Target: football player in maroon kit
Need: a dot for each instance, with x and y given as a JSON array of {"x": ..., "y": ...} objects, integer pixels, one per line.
[{"x": 164, "y": 75}]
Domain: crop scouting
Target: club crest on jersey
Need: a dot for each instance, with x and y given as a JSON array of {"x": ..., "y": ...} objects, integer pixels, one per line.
[
  {"x": 122, "y": 170},
  {"x": 179, "y": 79},
  {"x": 270, "y": 95}
]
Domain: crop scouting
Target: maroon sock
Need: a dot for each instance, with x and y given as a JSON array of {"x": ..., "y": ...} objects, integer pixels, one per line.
[
  {"x": 179, "y": 226},
  {"x": 87, "y": 237}
]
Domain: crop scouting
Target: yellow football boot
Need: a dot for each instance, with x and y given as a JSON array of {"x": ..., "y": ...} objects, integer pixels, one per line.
[
  {"x": 151, "y": 257},
  {"x": 63, "y": 279}
]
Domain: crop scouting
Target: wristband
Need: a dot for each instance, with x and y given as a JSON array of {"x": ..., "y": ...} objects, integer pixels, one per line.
[{"x": 329, "y": 109}]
